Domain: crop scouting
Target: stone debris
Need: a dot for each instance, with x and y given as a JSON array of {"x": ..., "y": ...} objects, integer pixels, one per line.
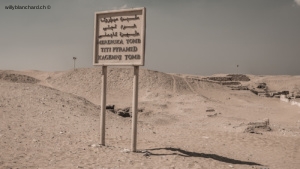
[
  {"x": 146, "y": 154},
  {"x": 125, "y": 112},
  {"x": 258, "y": 127},
  {"x": 220, "y": 78},
  {"x": 125, "y": 150},
  {"x": 95, "y": 145},
  {"x": 230, "y": 78},
  {"x": 210, "y": 110},
  {"x": 212, "y": 115},
  {"x": 239, "y": 77},
  {"x": 239, "y": 87},
  {"x": 110, "y": 107}
]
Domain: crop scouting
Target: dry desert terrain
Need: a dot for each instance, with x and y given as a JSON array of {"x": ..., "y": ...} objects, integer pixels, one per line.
[{"x": 51, "y": 120}]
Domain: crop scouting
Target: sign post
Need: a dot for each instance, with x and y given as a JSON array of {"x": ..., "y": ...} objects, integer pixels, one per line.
[
  {"x": 119, "y": 40},
  {"x": 134, "y": 107},
  {"x": 103, "y": 105}
]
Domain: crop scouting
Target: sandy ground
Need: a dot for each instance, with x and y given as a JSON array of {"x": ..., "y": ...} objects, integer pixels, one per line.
[{"x": 51, "y": 120}]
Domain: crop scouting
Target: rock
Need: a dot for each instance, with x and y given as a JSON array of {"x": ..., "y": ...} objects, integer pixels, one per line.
[
  {"x": 127, "y": 109},
  {"x": 126, "y": 112},
  {"x": 62, "y": 132},
  {"x": 94, "y": 145},
  {"x": 125, "y": 150},
  {"x": 110, "y": 107},
  {"x": 210, "y": 110},
  {"x": 147, "y": 154},
  {"x": 212, "y": 115},
  {"x": 123, "y": 113}
]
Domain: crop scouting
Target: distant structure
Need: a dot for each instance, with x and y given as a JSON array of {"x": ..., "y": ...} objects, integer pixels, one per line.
[
  {"x": 74, "y": 58},
  {"x": 237, "y": 69},
  {"x": 291, "y": 100}
]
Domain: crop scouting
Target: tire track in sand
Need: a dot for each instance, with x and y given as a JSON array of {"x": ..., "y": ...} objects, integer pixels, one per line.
[
  {"x": 189, "y": 85},
  {"x": 174, "y": 84}
]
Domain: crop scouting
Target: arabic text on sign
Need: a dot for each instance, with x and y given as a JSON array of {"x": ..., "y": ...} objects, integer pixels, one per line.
[
  {"x": 125, "y": 27},
  {"x": 128, "y": 19},
  {"x": 110, "y": 27},
  {"x": 127, "y": 34},
  {"x": 110, "y": 20},
  {"x": 108, "y": 35}
]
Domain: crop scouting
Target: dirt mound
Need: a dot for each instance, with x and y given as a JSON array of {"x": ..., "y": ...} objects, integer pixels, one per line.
[
  {"x": 87, "y": 83},
  {"x": 18, "y": 78},
  {"x": 35, "y": 118}
]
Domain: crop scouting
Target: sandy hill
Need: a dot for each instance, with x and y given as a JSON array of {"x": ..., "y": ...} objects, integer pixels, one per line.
[{"x": 51, "y": 120}]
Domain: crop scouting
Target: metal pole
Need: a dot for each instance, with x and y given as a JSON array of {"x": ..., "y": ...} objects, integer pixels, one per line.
[
  {"x": 103, "y": 105},
  {"x": 74, "y": 58},
  {"x": 134, "y": 108}
]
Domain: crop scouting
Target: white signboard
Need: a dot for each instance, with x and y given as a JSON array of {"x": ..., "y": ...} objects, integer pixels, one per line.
[{"x": 119, "y": 37}]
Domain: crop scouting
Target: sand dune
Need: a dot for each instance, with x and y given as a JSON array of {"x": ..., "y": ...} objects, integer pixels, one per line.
[{"x": 51, "y": 120}]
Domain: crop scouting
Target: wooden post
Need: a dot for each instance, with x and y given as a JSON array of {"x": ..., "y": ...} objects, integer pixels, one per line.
[
  {"x": 134, "y": 108},
  {"x": 103, "y": 105}
]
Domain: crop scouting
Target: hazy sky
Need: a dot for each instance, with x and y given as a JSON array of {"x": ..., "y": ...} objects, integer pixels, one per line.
[{"x": 193, "y": 36}]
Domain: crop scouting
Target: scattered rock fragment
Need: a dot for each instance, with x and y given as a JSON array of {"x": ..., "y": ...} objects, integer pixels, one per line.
[
  {"x": 95, "y": 145},
  {"x": 125, "y": 150},
  {"x": 123, "y": 113},
  {"x": 210, "y": 110},
  {"x": 110, "y": 107},
  {"x": 212, "y": 115},
  {"x": 146, "y": 153}
]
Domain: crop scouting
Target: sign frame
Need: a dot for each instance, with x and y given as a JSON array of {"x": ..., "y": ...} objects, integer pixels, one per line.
[
  {"x": 133, "y": 14},
  {"x": 118, "y": 13}
]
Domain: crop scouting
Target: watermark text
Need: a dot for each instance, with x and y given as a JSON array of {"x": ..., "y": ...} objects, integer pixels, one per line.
[{"x": 13, "y": 7}]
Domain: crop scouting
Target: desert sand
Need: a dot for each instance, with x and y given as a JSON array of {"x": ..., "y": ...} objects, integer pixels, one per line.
[{"x": 51, "y": 120}]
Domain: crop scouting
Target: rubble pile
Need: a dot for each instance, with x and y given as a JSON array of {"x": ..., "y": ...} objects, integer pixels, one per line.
[
  {"x": 258, "y": 127},
  {"x": 238, "y": 77}
]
